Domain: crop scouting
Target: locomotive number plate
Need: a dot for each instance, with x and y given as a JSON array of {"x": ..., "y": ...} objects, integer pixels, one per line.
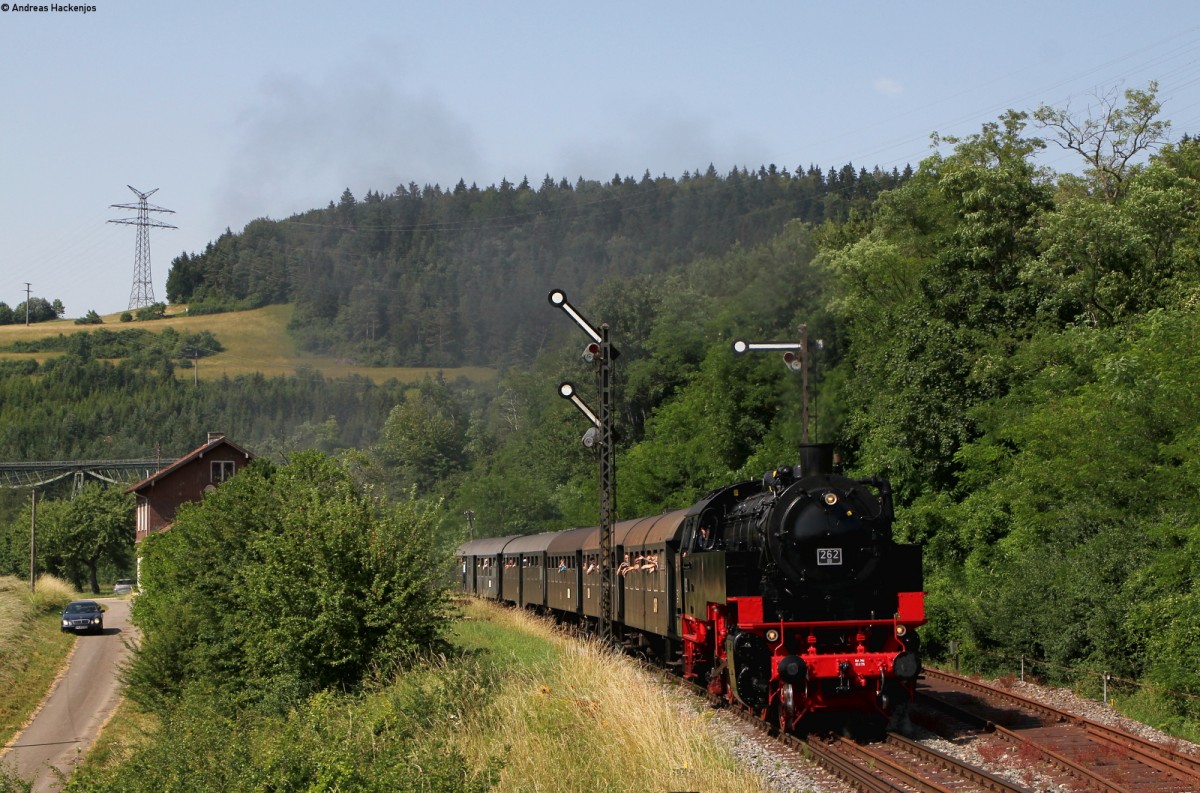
[{"x": 829, "y": 556}]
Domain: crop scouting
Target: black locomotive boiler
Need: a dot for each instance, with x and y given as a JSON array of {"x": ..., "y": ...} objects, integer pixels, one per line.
[{"x": 788, "y": 595}]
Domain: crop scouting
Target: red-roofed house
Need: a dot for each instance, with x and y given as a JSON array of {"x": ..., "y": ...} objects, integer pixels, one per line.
[{"x": 186, "y": 479}]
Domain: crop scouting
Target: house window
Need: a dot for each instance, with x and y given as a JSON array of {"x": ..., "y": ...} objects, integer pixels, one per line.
[{"x": 221, "y": 470}]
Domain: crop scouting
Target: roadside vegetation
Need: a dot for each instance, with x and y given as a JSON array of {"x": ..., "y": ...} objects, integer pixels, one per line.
[
  {"x": 517, "y": 705},
  {"x": 284, "y": 582},
  {"x": 33, "y": 649},
  {"x": 297, "y": 634},
  {"x": 269, "y": 614}
]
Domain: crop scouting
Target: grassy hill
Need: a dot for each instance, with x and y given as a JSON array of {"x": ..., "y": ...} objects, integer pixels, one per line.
[{"x": 254, "y": 341}]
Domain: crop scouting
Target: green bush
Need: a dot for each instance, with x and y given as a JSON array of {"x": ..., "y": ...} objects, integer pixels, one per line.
[
  {"x": 1177, "y": 715},
  {"x": 394, "y": 739},
  {"x": 218, "y": 305},
  {"x": 152, "y": 311},
  {"x": 283, "y": 582},
  {"x": 90, "y": 318},
  {"x": 21, "y": 367}
]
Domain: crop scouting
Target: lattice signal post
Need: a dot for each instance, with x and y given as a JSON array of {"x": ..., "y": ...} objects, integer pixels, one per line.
[
  {"x": 142, "y": 293},
  {"x": 797, "y": 363},
  {"x": 601, "y": 353}
]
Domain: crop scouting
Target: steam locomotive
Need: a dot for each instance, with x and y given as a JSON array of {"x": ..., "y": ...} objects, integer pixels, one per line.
[{"x": 788, "y": 595}]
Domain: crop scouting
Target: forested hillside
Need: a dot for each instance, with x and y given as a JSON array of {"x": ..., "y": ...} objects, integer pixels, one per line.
[
  {"x": 78, "y": 407},
  {"x": 430, "y": 277}
]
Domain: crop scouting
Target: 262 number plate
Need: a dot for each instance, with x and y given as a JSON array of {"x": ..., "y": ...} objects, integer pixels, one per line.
[{"x": 829, "y": 556}]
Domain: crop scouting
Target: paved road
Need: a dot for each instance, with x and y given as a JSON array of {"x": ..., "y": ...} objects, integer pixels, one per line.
[{"x": 83, "y": 699}]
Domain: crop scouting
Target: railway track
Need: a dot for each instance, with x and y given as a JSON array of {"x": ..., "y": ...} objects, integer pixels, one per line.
[
  {"x": 1080, "y": 751},
  {"x": 1063, "y": 750},
  {"x": 896, "y": 765},
  {"x": 899, "y": 764}
]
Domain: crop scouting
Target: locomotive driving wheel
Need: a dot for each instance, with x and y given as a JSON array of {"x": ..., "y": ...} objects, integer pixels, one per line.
[{"x": 786, "y": 707}]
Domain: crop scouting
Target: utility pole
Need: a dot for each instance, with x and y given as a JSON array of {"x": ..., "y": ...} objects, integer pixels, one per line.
[
  {"x": 601, "y": 353},
  {"x": 32, "y": 537},
  {"x": 194, "y": 354},
  {"x": 142, "y": 293},
  {"x": 27, "y": 285},
  {"x": 470, "y": 516}
]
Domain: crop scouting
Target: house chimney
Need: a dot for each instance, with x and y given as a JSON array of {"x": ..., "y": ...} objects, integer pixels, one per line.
[{"x": 213, "y": 437}]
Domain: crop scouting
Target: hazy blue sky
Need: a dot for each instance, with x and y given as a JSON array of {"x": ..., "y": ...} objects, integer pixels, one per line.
[{"x": 240, "y": 110}]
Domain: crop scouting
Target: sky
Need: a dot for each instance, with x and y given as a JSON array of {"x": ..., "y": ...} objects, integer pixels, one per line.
[{"x": 234, "y": 111}]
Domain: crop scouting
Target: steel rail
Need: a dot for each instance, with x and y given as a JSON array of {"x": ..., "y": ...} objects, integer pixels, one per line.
[
  {"x": 1162, "y": 758},
  {"x": 1063, "y": 764},
  {"x": 971, "y": 773}
]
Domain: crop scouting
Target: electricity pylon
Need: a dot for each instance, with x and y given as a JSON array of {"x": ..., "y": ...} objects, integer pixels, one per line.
[{"x": 142, "y": 293}]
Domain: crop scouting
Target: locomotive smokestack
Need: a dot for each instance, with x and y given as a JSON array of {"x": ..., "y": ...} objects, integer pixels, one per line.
[{"x": 816, "y": 458}]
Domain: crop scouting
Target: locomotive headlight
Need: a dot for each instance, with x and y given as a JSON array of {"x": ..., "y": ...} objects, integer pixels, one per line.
[
  {"x": 830, "y": 499},
  {"x": 772, "y": 635},
  {"x": 901, "y": 630}
]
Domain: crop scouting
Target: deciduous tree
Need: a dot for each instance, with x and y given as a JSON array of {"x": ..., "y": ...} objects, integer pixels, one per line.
[
  {"x": 1110, "y": 137},
  {"x": 284, "y": 581}
]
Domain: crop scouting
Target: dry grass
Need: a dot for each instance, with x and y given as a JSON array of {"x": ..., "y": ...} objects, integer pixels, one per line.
[
  {"x": 33, "y": 649},
  {"x": 593, "y": 720},
  {"x": 255, "y": 341},
  {"x": 51, "y": 595}
]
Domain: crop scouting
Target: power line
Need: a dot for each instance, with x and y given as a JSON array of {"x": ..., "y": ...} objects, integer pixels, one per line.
[{"x": 142, "y": 293}]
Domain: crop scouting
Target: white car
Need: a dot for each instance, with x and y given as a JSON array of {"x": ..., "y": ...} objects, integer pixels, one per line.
[{"x": 124, "y": 586}]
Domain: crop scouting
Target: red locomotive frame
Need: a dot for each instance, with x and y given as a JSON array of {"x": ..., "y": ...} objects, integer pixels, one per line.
[{"x": 863, "y": 674}]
